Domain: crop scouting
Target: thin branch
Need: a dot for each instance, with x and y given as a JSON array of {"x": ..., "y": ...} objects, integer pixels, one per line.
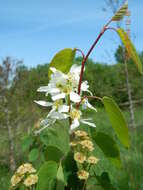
[
  {"x": 79, "y": 50},
  {"x": 88, "y": 53},
  {"x": 94, "y": 97}
]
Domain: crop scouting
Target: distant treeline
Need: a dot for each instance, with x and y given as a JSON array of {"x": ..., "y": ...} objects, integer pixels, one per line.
[{"x": 104, "y": 80}]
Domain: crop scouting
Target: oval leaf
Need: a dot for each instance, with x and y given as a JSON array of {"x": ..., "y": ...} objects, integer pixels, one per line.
[
  {"x": 108, "y": 146},
  {"x": 121, "y": 12},
  {"x": 53, "y": 153},
  {"x": 33, "y": 155},
  {"x": 132, "y": 53},
  {"x": 47, "y": 176},
  {"x": 117, "y": 120},
  {"x": 59, "y": 138},
  {"x": 63, "y": 60}
]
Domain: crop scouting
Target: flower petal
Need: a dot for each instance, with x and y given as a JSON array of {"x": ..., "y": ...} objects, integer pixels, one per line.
[
  {"x": 91, "y": 107},
  {"x": 75, "y": 97},
  {"x": 84, "y": 86},
  {"x": 75, "y": 124},
  {"x": 43, "y": 103},
  {"x": 57, "y": 115},
  {"x": 43, "y": 89},
  {"x": 63, "y": 108},
  {"x": 58, "y": 96},
  {"x": 53, "y": 69},
  {"x": 87, "y": 104},
  {"x": 88, "y": 123},
  {"x": 75, "y": 69}
]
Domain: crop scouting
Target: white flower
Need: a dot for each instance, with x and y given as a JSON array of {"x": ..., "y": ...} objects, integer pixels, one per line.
[
  {"x": 57, "y": 112},
  {"x": 74, "y": 75},
  {"x": 86, "y": 104},
  {"x": 74, "y": 97},
  {"x": 57, "y": 82},
  {"x": 63, "y": 89},
  {"x": 61, "y": 85},
  {"x": 84, "y": 87},
  {"x": 86, "y": 121},
  {"x": 43, "y": 103},
  {"x": 75, "y": 115},
  {"x": 57, "y": 106}
]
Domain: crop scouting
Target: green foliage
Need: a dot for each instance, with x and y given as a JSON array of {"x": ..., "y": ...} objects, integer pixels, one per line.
[
  {"x": 108, "y": 146},
  {"x": 60, "y": 178},
  {"x": 57, "y": 137},
  {"x": 120, "y": 54},
  {"x": 117, "y": 120},
  {"x": 70, "y": 172},
  {"x": 50, "y": 151},
  {"x": 33, "y": 155},
  {"x": 108, "y": 80},
  {"x": 26, "y": 142},
  {"x": 105, "y": 182},
  {"x": 51, "y": 177},
  {"x": 63, "y": 60},
  {"x": 47, "y": 176},
  {"x": 130, "y": 49},
  {"x": 5, "y": 175},
  {"x": 53, "y": 153}
]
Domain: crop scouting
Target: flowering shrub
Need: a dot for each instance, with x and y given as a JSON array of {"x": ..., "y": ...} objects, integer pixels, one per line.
[
  {"x": 24, "y": 176},
  {"x": 62, "y": 145}
]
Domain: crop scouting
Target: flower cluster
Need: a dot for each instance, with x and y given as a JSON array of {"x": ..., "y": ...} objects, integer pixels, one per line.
[
  {"x": 83, "y": 147},
  {"x": 63, "y": 89},
  {"x": 26, "y": 175}
]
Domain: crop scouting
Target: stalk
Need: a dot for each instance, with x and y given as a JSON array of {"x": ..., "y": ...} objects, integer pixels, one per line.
[{"x": 88, "y": 53}]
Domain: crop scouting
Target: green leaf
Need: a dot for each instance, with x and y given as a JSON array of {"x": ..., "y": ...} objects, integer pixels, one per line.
[
  {"x": 33, "y": 155},
  {"x": 105, "y": 182},
  {"x": 26, "y": 142},
  {"x": 59, "y": 136},
  {"x": 63, "y": 60},
  {"x": 47, "y": 176},
  {"x": 53, "y": 153},
  {"x": 117, "y": 120},
  {"x": 131, "y": 50},
  {"x": 60, "y": 178},
  {"x": 44, "y": 139},
  {"x": 108, "y": 146},
  {"x": 121, "y": 12}
]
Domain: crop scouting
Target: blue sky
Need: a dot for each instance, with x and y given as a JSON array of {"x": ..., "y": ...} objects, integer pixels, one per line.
[{"x": 34, "y": 30}]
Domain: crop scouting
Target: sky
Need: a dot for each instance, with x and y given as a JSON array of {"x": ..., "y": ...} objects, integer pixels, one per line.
[{"x": 35, "y": 30}]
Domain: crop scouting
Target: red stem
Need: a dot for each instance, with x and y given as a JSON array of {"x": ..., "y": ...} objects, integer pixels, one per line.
[
  {"x": 79, "y": 50},
  {"x": 90, "y": 50}
]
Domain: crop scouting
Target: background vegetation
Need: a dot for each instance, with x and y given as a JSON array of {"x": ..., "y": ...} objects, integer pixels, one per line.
[{"x": 104, "y": 80}]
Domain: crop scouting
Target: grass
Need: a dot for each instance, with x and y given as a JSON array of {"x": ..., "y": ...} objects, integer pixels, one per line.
[
  {"x": 4, "y": 177},
  {"x": 130, "y": 177}
]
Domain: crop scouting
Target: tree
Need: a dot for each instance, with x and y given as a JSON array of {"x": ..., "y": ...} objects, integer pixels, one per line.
[{"x": 7, "y": 72}]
